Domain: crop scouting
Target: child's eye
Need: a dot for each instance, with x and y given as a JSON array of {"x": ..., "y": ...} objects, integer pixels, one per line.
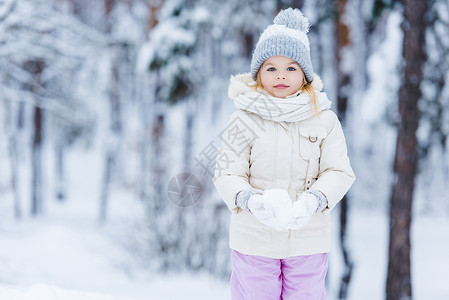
[
  {"x": 291, "y": 69},
  {"x": 271, "y": 69}
]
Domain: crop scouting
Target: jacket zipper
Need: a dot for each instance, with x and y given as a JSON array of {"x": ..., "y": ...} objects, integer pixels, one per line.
[
  {"x": 275, "y": 154},
  {"x": 293, "y": 132}
]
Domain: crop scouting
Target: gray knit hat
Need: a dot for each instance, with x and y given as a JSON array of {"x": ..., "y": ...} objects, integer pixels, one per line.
[{"x": 286, "y": 37}]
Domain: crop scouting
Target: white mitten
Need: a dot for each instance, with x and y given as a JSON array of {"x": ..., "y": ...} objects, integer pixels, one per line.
[
  {"x": 242, "y": 198},
  {"x": 303, "y": 210},
  {"x": 256, "y": 207},
  {"x": 273, "y": 208}
]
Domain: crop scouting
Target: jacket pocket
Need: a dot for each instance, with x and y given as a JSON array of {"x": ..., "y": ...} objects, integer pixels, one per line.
[{"x": 310, "y": 138}]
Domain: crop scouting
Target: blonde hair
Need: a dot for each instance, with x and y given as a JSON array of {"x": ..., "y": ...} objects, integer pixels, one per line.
[{"x": 306, "y": 87}]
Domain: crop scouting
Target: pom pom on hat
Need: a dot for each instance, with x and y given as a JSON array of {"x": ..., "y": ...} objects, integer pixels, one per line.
[
  {"x": 292, "y": 18},
  {"x": 286, "y": 37}
]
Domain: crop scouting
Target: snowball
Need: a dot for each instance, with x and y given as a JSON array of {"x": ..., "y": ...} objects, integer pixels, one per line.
[{"x": 275, "y": 209}]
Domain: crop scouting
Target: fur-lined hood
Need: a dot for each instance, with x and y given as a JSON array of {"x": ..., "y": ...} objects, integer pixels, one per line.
[{"x": 244, "y": 83}]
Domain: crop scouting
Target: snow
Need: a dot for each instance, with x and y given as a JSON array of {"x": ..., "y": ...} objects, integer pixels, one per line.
[
  {"x": 382, "y": 89},
  {"x": 74, "y": 259},
  {"x": 63, "y": 258},
  {"x": 5, "y": 8},
  {"x": 367, "y": 235},
  {"x": 42, "y": 291},
  {"x": 275, "y": 208},
  {"x": 67, "y": 255},
  {"x": 368, "y": 247},
  {"x": 167, "y": 37},
  {"x": 371, "y": 116}
]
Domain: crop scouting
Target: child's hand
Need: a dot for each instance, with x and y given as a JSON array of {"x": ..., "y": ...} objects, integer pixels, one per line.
[
  {"x": 272, "y": 208},
  {"x": 257, "y": 207},
  {"x": 255, "y": 202},
  {"x": 303, "y": 210},
  {"x": 242, "y": 198}
]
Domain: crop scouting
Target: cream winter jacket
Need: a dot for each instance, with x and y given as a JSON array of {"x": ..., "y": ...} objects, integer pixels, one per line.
[{"x": 294, "y": 156}]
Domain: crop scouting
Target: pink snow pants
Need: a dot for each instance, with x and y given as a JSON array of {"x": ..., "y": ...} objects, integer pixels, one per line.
[{"x": 294, "y": 278}]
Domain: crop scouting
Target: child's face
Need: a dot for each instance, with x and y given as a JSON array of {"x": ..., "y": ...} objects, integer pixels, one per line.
[{"x": 281, "y": 76}]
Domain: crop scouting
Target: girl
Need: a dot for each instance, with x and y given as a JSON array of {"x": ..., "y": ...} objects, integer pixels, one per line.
[{"x": 282, "y": 168}]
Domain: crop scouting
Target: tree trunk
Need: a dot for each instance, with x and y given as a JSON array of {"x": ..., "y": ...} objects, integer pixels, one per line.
[
  {"x": 399, "y": 285},
  {"x": 343, "y": 75},
  {"x": 146, "y": 96},
  {"x": 107, "y": 173},
  {"x": 12, "y": 149},
  {"x": 35, "y": 67},
  {"x": 36, "y": 191},
  {"x": 188, "y": 133},
  {"x": 115, "y": 128},
  {"x": 12, "y": 129},
  {"x": 343, "y": 41},
  {"x": 60, "y": 178},
  {"x": 36, "y": 185},
  {"x": 144, "y": 89},
  {"x": 114, "y": 133}
]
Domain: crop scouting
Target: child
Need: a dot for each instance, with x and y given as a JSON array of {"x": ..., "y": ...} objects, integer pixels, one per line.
[{"x": 282, "y": 168}]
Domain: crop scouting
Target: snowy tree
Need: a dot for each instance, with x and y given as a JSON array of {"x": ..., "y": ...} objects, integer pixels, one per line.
[
  {"x": 165, "y": 55},
  {"x": 146, "y": 81},
  {"x": 117, "y": 90},
  {"x": 399, "y": 284},
  {"x": 434, "y": 106},
  {"x": 39, "y": 50},
  {"x": 189, "y": 56}
]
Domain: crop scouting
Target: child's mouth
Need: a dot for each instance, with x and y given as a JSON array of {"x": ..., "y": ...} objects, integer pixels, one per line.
[{"x": 281, "y": 86}]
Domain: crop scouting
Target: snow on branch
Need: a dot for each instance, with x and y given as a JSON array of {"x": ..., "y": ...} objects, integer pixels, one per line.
[
  {"x": 6, "y": 7},
  {"x": 37, "y": 32},
  {"x": 171, "y": 49}
]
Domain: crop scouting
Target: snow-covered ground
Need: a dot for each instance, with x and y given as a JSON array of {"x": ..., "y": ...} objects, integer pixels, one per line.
[
  {"x": 68, "y": 255},
  {"x": 368, "y": 242},
  {"x": 41, "y": 258}
]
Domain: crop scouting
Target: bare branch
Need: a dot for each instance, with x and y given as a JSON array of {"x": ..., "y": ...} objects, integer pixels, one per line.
[{"x": 6, "y": 8}]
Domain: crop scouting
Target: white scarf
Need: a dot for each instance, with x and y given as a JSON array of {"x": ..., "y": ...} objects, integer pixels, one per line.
[{"x": 291, "y": 109}]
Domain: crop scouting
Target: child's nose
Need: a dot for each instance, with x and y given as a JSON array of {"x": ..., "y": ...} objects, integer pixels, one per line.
[{"x": 280, "y": 75}]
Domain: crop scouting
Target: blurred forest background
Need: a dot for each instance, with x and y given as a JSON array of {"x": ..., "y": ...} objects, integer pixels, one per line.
[{"x": 142, "y": 86}]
